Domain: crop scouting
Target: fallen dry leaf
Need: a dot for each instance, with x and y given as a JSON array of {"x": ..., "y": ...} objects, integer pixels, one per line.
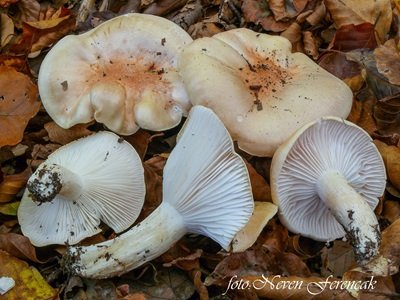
[
  {"x": 304, "y": 247},
  {"x": 350, "y": 37},
  {"x": 378, "y": 12},
  {"x": 6, "y": 29},
  {"x": 391, "y": 157},
  {"x": 38, "y": 35},
  {"x": 362, "y": 114},
  {"x": 278, "y": 8},
  {"x": 337, "y": 259},
  {"x": 257, "y": 261},
  {"x": 64, "y": 136},
  {"x": 13, "y": 184},
  {"x": 140, "y": 141},
  {"x": 391, "y": 210},
  {"x": 317, "y": 15},
  {"x": 259, "y": 186},
  {"x": 19, "y": 246},
  {"x": 387, "y": 58},
  {"x": 310, "y": 44},
  {"x": 258, "y": 12},
  {"x": 246, "y": 237},
  {"x": 378, "y": 288},
  {"x": 18, "y": 103},
  {"x": 29, "y": 284},
  {"x": 7, "y": 3}
]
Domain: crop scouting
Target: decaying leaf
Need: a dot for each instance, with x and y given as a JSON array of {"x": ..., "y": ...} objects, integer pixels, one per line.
[
  {"x": 64, "y": 136},
  {"x": 305, "y": 247},
  {"x": 351, "y": 37},
  {"x": 337, "y": 259},
  {"x": 18, "y": 103},
  {"x": 245, "y": 238},
  {"x": 361, "y": 114},
  {"x": 6, "y": 29},
  {"x": 259, "y": 186},
  {"x": 37, "y": 35},
  {"x": 310, "y": 44},
  {"x": 258, "y": 12},
  {"x": 391, "y": 210},
  {"x": 387, "y": 59},
  {"x": 7, "y": 3},
  {"x": 19, "y": 246},
  {"x": 13, "y": 184},
  {"x": 29, "y": 284},
  {"x": 378, "y": 12},
  {"x": 391, "y": 157},
  {"x": 257, "y": 261},
  {"x": 167, "y": 284}
]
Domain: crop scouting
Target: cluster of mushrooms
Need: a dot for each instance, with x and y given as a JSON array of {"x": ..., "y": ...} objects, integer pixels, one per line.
[{"x": 142, "y": 71}]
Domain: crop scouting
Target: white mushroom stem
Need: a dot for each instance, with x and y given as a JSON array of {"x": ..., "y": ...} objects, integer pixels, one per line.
[
  {"x": 352, "y": 212},
  {"x": 206, "y": 190},
  {"x": 144, "y": 242},
  {"x": 50, "y": 180}
]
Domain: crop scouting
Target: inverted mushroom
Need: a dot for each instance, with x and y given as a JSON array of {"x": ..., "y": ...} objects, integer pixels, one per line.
[
  {"x": 326, "y": 180},
  {"x": 206, "y": 190},
  {"x": 121, "y": 73},
  {"x": 260, "y": 90},
  {"x": 96, "y": 178}
]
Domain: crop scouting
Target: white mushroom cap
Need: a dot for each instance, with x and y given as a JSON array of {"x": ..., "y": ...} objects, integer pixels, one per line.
[
  {"x": 93, "y": 179},
  {"x": 260, "y": 90},
  {"x": 305, "y": 185},
  {"x": 121, "y": 73}
]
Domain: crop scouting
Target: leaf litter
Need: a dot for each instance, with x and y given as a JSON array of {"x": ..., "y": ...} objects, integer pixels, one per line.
[{"x": 358, "y": 43}]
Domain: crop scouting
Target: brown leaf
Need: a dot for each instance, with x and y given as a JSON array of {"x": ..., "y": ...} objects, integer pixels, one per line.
[
  {"x": 140, "y": 141},
  {"x": 391, "y": 157},
  {"x": 278, "y": 8},
  {"x": 18, "y": 103},
  {"x": 19, "y": 246},
  {"x": 376, "y": 287},
  {"x": 204, "y": 29},
  {"x": 7, "y": 3},
  {"x": 13, "y": 184},
  {"x": 337, "y": 259},
  {"x": 19, "y": 63},
  {"x": 391, "y": 210},
  {"x": 387, "y": 58},
  {"x": 40, "y": 34},
  {"x": 337, "y": 64},
  {"x": 64, "y": 136},
  {"x": 163, "y": 7},
  {"x": 362, "y": 115},
  {"x": 299, "y": 5},
  {"x": 30, "y": 10},
  {"x": 257, "y": 261},
  {"x": 378, "y": 12},
  {"x": 257, "y": 12},
  {"x": 259, "y": 186},
  {"x": 317, "y": 15},
  {"x": 304, "y": 247},
  {"x": 310, "y": 44},
  {"x": 351, "y": 37}
]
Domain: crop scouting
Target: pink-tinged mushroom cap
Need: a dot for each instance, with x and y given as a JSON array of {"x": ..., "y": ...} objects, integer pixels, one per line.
[
  {"x": 260, "y": 90},
  {"x": 121, "y": 73}
]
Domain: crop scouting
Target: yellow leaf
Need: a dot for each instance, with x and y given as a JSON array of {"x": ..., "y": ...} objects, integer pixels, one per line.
[
  {"x": 9, "y": 209},
  {"x": 29, "y": 284}
]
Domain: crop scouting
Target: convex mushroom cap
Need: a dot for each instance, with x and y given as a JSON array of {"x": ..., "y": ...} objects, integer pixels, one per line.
[
  {"x": 326, "y": 180},
  {"x": 96, "y": 178},
  {"x": 121, "y": 73},
  {"x": 260, "y": 90},
  {"x": 206, "y": 190}
]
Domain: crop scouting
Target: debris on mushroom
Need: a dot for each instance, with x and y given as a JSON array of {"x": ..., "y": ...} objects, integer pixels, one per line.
[
  {"x": 121, "y": 73},
  {"x": 93, "y": 179},
  {"x": 260, "y": 90},
  {"x": 326, "y": 180},
  {"x": 213, "y": 198}
]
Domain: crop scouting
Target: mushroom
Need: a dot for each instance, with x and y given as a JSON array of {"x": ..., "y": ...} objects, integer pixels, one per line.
[
  {"x": 260, "y": 90},
  {"x": 206, "y": 190},
  {"x": 99, "y": 177},
  {"x": 326, "y": 180},
  {"x": 121, "y": 73}
]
